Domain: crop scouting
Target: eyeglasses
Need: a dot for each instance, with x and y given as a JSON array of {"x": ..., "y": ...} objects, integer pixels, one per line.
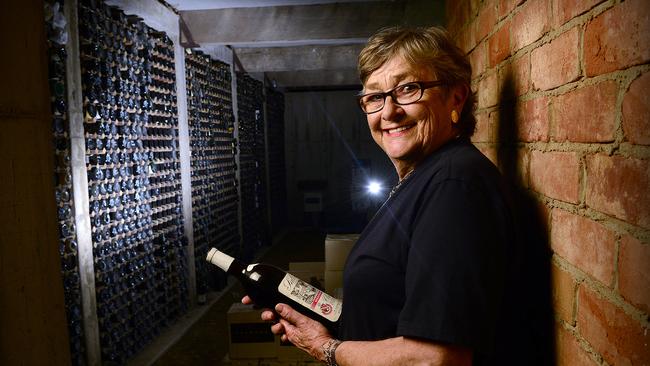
[{"x": 402, "y": 95}]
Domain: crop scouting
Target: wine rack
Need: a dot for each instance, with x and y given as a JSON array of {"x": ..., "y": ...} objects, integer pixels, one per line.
[
  {"x": 68, "y": 248},
  {"x": 251, "y": 159},
  {"x": 134, "y": 187},
  {"x": 276, "y": 166},
  {"x": 125, "y": 255},
  {"x": 214, "y": 185}
]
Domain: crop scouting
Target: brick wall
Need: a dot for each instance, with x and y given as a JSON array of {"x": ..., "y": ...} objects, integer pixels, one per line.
[{"x": 564, "y": 89}]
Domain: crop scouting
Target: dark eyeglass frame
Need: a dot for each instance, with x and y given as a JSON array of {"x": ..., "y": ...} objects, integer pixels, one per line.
[{"x": 422, "y": 85}]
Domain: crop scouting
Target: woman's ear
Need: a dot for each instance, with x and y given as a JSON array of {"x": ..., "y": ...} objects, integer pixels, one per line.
[{"x": 459, "y": 94}]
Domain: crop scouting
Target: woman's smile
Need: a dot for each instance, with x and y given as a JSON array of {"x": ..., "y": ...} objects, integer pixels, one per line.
[{"x": 398, "y": 131}]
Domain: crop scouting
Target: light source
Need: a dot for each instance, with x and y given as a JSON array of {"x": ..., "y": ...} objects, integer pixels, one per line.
[{"x": 374, "y": 187}]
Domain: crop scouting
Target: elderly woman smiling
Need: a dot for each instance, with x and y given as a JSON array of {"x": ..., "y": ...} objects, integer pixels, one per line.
[{"x": 426, "y": 282}]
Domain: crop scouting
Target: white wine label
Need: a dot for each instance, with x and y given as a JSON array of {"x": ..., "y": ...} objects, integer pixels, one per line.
[{"x": 310, "y": 297}]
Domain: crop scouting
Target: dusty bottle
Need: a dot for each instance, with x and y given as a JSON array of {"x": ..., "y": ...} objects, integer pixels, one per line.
[{"x": 268, "y": 285}]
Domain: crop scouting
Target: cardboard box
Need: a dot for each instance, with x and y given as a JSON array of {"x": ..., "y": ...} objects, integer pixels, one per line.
[
  {"x": 352, "y": 237},
  {"x": 227, "y": 361},
  {"x": 310, "y": 272},
  {"x": 337, "y": 248},
  {"x": 289, "y": 352},
  {"x": 334, "y": 283},
  {"x": 307, "y": 266},
  {"x": 249, "y": 335}
]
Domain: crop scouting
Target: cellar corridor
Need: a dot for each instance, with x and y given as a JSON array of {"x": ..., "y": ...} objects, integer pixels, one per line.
[{"x": 136, "y": 135}]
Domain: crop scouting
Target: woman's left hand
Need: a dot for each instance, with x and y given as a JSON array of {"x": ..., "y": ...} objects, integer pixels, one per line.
[{"x": 304, "y": 332}]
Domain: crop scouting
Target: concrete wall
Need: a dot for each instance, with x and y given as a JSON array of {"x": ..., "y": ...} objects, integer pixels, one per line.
[
  {"x": 325, "y": 132},
  {"x": 564, "y": 111},
  {"x": 34, "y": 329}
]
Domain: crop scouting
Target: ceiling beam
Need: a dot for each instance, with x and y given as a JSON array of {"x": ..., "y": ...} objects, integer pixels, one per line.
[
  {"x": 315, "y": 78},
  {"x": 299, "y": 58},
  {"x": 301, "y": 24}
]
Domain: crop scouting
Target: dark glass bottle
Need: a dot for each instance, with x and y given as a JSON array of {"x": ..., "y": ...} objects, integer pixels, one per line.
[{"x": 268, "y": 285}]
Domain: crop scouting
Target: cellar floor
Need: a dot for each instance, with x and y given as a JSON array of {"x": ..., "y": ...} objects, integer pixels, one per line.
[{"x": 205, "y": 342}]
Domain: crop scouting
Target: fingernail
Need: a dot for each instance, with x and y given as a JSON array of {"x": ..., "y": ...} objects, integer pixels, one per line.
[{"x": 278, "y": 308}]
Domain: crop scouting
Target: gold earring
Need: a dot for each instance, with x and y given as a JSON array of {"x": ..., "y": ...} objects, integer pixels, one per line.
[{"x": 454, "y": 116}]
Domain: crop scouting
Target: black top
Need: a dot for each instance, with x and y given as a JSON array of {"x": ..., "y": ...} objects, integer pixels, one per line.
[{"x": 433, "y": 261}]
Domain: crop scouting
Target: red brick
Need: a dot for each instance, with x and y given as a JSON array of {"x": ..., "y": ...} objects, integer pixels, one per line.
[
  {"x": 523, "y": 160},
  {"x": 521, "y": 74},
  {"x": 634, "y": 272},
  {"x": 507, "y": 6},
  {"x": 490, "y": 152},
  {"x": 474, "y": 6},
  {"x": 455, "y": 16},
  {"x": 499, "y": 45},
  {"x": 584, "y": 243},
  {"x": 556, "y": 175},
  {"x": 532, "y": 120},
  {"x": 563, "y": 292},
  {"x": 482, "y": 132},
  {"x": 544, "y": 213},
  {"x": 636, "y": 109},
  {"x": 587, "y": 114},
  {"x": 466, "y": 37},
  {"x": 556, "y": 63},
  {"x": 619, "y": 338},
  {"x": 568, "y": 350},
  {"x": 494, "y": 124},
  {"x": 488, "y": 93},
  {"x": 620, "y": 187},
  {"x": 478, "y": 59},
  {"x": 618, "y": 38},
  {"x": 486, "y": 22},
  {"x": 565, "y": 10},
  {"x": 530, "y": 23}
]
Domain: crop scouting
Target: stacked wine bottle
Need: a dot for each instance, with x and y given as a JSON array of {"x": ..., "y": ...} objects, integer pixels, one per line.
[
  {"x": 277, "y": 170},
  {"x": 63, "y": 191},
  {"x": 132, "y": 160},
  {"x": 251, "y": 159},
  {"x": 134, "y": 188},
  {"x": 214, "y": 185}
]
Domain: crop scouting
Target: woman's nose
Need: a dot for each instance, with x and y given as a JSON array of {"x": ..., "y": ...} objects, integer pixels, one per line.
[{"x": 391, "y": 110}]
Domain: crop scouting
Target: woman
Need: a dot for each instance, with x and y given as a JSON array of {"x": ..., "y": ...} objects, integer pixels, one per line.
[{"x": 425, "y": 282}]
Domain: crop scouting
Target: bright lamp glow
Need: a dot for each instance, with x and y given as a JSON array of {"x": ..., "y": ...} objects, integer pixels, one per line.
[{"x": 374, "y": 187}]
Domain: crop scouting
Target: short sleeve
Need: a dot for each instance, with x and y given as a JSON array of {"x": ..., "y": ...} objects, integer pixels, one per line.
[{"x": 456, "y": 267}]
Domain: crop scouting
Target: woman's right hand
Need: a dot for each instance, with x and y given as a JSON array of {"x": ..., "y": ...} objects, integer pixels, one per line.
[{"x": 303, "y": 332}]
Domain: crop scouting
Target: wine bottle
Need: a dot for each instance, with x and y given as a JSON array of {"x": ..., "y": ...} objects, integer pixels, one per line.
[{"x": 268, "y": 285}]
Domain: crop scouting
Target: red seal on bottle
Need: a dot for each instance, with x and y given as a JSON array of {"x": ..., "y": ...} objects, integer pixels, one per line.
[{"x": 326, "y": 308}]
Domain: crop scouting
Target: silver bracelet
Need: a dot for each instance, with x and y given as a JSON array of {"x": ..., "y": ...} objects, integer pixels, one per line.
[{"x": 329, "y": 350}]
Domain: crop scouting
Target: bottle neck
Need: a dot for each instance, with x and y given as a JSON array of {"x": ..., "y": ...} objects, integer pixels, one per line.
[{"x": 220, "y": 259}]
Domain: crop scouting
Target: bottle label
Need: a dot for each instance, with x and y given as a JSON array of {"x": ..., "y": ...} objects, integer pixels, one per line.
[{"x": 310, "y": 297}]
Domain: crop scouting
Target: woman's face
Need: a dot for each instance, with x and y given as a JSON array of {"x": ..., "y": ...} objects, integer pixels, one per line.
[{"x": 409, "y": 133}]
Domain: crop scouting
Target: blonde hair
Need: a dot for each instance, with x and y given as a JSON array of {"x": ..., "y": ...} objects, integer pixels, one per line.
[{"x": 431, "y": 48}]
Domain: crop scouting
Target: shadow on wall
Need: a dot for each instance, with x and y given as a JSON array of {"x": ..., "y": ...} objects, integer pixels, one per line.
[{"x": 533, "y": 333}]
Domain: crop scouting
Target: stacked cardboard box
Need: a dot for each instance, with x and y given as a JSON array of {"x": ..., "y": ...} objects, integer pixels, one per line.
[
  {"x": 227, "y": 361},
  {"x": 337, "y": 248},
  {"x": 251, "y": 341},
  {"x": 310, "y": 272},
  {"x": 250, "y": 336}
]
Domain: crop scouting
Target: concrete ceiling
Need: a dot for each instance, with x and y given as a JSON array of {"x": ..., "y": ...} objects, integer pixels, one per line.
[{"x": 298, "y": 44}]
